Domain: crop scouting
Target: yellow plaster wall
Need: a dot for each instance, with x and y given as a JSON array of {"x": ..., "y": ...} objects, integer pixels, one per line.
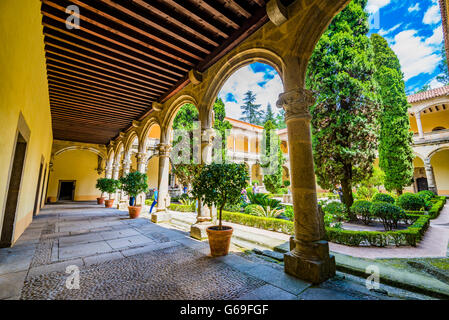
[
  {"x": 431, "y": 120},
  {"x": 153, "y": 172},
  {"x": 78, "y": 165},
  {"x": 440, "y": 163},
  {"x": 23, "y": 88}
]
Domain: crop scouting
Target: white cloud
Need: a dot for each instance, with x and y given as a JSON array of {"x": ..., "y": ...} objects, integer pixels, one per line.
[
  {"x": 433, "y": 14},
  {"x": 414, "y": 8},
  {"x": 375, "y": 5},
  {"x": 246, "y": 79},
  {"x": 416, "y": 56},
  {"x": 434, "y": 83},
  {"x": 437, "y": 36},
  {"x": 383, "y": 32}
]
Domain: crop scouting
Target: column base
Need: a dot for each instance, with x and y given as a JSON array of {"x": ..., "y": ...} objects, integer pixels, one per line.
[
  {"x": 316, "y": 269},
  {"x": 198, "y": 230},
  {"x": 161, "y": 216}
]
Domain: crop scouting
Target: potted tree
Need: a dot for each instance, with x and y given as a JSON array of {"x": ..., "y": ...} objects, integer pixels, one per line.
[
  {"x": 218, "y": 185},
  {"x": 133, "y": 184},
  {"x": 110, "y": 186},
  {"x": 101, "y": 185}
]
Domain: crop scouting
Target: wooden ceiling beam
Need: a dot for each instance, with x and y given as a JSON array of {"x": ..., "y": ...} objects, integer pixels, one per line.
[
  {"x": 108, "y": 56},
  {"x": 177, "y": 22},
  {"x": 61, "y": 58},
  {"x": 234, "y": 6},
  {"x": 62, "y": 110},
  {"x": 154, "y": 25},
  {"x": 76, "y": 92},
  {"x": 215, "y": 11},
  {"x": 101, "y": 81},
  {"x": 110, "y": 48},
  {"x": 96, "y": 121},
  {"x": 76, "y": 97},
  {"x": 126, "y": 36},
  {"x": 88, "y": 87},
  {"x": 122, "y": 44},
  {"x": 71, "y": 105}
]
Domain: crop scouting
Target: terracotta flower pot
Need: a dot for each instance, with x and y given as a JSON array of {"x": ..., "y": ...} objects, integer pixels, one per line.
[
  {"x": 100, "y": 200},
  {"x": 219, "y": 240},
  {"x": 134, "y": 212},
  {"x": 109, "y": 203}
]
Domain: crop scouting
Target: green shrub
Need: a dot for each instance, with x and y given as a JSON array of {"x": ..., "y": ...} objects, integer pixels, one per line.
[
  {"x": 250, "y": 209},
  {"x": 411, "y": 201},
  {"x": 289, "y": 213},
  {"x": 427, "y": 195},
  {"x": 383, "y": 197},
  {"x": 436, "y": 208},
  {"x": 232, "y": 207},
  {"x": 286, "y": 183},
  {"x": 362, "y": 208},
  {"x": 272, "y": 224},
  {"x": 389, "y": 213},
  {"x": 182, "y": 208},
  {"x": 365, "y": 193},
  {"x": 336, "y": 210},
  {"x": 267, "y": 212}
]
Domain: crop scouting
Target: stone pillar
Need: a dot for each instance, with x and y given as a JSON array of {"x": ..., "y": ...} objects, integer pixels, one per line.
[
  {"x": 419, "y": 125},
  {"x": 309, "y": 257},
  {"x": 123, "y": 199},
  {"x": 115, "y": 174},
  {"x": 430, "y": 176},
  {"x": 163, "y": 202},
  {"x": 142, "y": 159},
  {"x": 205, "y": 213},
  {"x": 108, "y": 171}
]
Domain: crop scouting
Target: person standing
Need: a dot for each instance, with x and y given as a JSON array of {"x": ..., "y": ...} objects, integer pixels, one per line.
[{"x": 155, "y": 194}]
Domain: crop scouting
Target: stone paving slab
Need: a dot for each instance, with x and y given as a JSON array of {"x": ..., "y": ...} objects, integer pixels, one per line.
[
  {"x": 102, "y": 258},
  {"x": 79, "y": 239},
  {"x": 268, "y": 292},
  {"x": 15, "y": 261},
  {"x": 55, "y": 267},
  {"x": 116, "y": 234},
  {"x": 11, "y": 284},
  {"x": 129, "y": 242},
  {"x": 149, "y": 248},
  {"x": 84, "y": 250}
]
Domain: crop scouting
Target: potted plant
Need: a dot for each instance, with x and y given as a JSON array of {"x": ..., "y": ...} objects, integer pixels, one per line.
[
  {"x": 133, "y": 184},
  {"x": 218, "y": 185},
  {"x": 109, "y": 186},
  {"x": 101, "y": 185}
]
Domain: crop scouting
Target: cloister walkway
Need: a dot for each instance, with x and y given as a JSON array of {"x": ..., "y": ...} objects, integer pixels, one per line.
[{"x": 119, "y": 258}]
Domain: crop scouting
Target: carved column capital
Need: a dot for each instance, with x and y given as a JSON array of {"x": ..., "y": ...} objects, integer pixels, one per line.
[
  {"x": 164, "y": 149},
  {"x": 296, "y": 103},
  {"x": 207, "y": 135}
]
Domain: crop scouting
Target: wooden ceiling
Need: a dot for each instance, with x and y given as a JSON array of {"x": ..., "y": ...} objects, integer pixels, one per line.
[{"x": 128, "y": 53}]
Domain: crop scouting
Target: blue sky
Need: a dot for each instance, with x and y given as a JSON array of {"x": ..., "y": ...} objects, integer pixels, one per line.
[{"x": 412, "y": 28}]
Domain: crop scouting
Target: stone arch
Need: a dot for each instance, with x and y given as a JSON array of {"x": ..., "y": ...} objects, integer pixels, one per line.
[
  {"x": 131, "y": 137},
  {"x": 82, "y": 148},
  {"x": 172, "y": 111},
  {"x": 236, "y": 62},
  {"x": 146, "y": 129},
  {"x": 119, "y": 149},
  {"x": 435, "y": 151}
]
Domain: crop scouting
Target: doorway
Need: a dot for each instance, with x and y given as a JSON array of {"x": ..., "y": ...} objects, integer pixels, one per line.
[
  {"x": 422, "y": 184},
  {"x": 12, "y": 198},
  {"x": 66, "y": 190},
  {"x": 38, "y": 187}
]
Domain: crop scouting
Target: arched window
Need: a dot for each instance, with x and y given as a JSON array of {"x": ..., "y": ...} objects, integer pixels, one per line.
[{"x": 438, "y": 128}]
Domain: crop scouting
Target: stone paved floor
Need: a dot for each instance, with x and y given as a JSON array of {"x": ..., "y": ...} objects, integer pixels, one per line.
[{"x": 119, "y": 258}]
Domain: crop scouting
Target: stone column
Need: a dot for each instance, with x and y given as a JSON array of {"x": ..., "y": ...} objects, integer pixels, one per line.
[
  {"x": 430, "y": 176},
  {"x": 163, "y": 202},
  {"x": 205, "y": 214},
  {"x": 142, "y": 159},
  {"x": 309, "y": 257},
  {"x": 115, "y": 173},
  {"x": 108, "y": 171},
  {"x": 419, "y": 125}
]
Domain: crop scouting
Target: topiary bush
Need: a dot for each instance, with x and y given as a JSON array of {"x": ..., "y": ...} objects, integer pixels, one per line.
[
  {"x": 383, "y": 197},
  {"x": 389, "y": 213},
  {"x": 427, "y": 195},
  {"x": 336, "y": 210},
  {"x": 362, "y": 208},
  {"x": 411, "y": 201}
]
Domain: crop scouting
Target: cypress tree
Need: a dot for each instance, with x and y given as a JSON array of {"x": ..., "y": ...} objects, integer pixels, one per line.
[
  {"x": 344, "y": 126},
  {"x": 395, "y": 141},
  {"x": 251, "y": 111}
]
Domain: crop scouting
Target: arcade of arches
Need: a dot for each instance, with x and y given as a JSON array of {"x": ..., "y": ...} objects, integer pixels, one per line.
[{"x": 280, "y": 33}]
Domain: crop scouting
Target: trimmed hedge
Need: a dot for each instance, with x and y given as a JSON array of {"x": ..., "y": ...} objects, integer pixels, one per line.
[
  {"x": 437, "y": 206},
  {"x": 383, "y": 197},
  {"x": 271, "y": 224},
  {"x": 411, "y": 236},
  {"x": 182, "y": 208}
]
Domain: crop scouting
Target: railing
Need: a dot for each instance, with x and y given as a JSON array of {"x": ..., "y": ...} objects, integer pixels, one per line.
[{"x": 432, "y": 137}]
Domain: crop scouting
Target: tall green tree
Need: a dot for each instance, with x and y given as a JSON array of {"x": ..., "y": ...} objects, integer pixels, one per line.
[
  {"x": 251, "y": 111},
  {"x": 344, "y": 127},
  {"x": 280, "y": 120},
  {"x": 272, "y": 158},
  {"x": 222, "y": 126},
  {"x": 395, "y": 140},
  {"x": 444, "y": 76},
  {"x": 269, "y": 115}
]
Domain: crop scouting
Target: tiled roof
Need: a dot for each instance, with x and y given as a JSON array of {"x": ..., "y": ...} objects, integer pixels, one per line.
[{"x": 433, "y": 93}]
